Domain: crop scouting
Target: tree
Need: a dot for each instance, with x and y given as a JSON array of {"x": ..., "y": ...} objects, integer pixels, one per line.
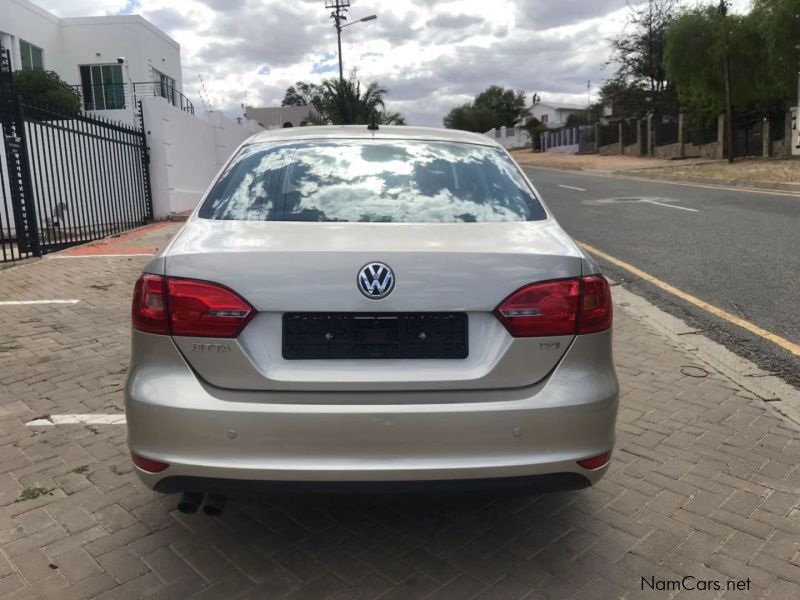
[
  {"x": 508, "y": 105},
  {"x": 342, "y": 102},
  {"x": 301, "y": 94},
  {"x": 535, "y": 129},
  {"x": 779, "y": 24},
  {"x": 470, "y": 118},
  {"x": 639, "y": 55},
  {"x": 494, "y": 107},
  {"x": 705, "y": 32},
  {"x": 48, "y": 89}
]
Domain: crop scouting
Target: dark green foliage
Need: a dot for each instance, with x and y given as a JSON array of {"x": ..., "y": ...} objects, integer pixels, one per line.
[
  {"x": 47, "y": 88},
  {"x": 492, "y": 108}
]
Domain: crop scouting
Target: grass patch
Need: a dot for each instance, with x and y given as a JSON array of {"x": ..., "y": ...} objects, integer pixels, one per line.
[
  {"x": 32, "y": 493},
  {"x": 81, "y": 470}
]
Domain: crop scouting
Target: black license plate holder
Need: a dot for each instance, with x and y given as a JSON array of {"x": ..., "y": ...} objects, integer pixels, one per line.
[{"x": 332, "y": 336}]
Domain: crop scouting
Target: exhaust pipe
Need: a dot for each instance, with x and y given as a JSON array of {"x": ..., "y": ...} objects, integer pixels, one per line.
[
  {"x": 190, "y": 502},
  {"x": 214, "y": 505}
]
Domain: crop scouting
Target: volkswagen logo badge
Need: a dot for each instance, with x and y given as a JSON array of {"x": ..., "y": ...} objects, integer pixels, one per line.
[{"x": 376, "y": 281}]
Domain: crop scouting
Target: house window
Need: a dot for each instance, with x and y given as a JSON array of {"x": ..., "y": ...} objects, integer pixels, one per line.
[
  {"x": 166, "y": 87},
  {"x": 103, "y": 88},
  {"x": 31, "y": 56},
  {"x": 545, "y": 118}
]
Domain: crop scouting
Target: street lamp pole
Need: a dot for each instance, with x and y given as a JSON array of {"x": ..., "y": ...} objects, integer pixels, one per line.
[{"x": 339, "y": 10}]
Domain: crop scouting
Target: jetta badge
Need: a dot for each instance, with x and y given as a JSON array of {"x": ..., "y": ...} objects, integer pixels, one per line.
[{"x": 376, "y": 281}]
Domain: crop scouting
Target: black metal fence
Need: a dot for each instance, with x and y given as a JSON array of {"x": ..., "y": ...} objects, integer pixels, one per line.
[
  {"x": 120, "y": 96},
  {"x": 701, "y": 130},
  {"x": 666, "y": 130},
  {"x": 630, "y": 133},
  {"x": 66, "y": 179},
  {"x": 609, "y": 134}
]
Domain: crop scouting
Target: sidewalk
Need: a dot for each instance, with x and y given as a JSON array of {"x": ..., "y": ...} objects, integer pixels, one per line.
[
  {"x": 705, "y": 483},
  {"x": 757, "y": 174}
]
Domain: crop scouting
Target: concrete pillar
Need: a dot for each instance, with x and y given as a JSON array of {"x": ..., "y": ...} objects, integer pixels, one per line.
[
  {"x": 721, "y": 136},
  {"x": 651, "y": 136},
  {"x": 766, "y": 138},
  {"x": 681, "y": 136},
  {"x": 787, "y": 133},
  {"x": 621, "y": 141}
]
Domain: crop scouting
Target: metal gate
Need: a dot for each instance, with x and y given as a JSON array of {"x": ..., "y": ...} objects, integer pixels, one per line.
[
  {"x": 748, "y": 132},
  {"x": 66, "y": 179}
]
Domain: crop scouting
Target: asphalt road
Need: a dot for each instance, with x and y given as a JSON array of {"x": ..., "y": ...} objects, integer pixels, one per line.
[{"x": 737, "y": 250}]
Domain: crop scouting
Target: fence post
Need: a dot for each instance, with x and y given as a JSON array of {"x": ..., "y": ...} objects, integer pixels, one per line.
[
  {"x": 720, "y": 136},
  {"x": 681, "y": 135},
  {"x": 145, "y": 156},
  {"x": 621, "y": 140},
  {"x": 787, "y": 133},
  {"x": 766, "y": 137},
  {"x": 597, "y": 141},
  {"x": 640, "y": 137},
  {"x": 651, "y": 136}
]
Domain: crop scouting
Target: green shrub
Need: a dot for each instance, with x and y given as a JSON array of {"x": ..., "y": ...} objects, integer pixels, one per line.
[{"x": 48, "y": 89}]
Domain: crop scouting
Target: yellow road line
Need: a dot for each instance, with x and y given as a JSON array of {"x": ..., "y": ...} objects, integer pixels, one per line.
[
  {"x": 706, "y": 186},
  {"x": 717, "y": 312}
]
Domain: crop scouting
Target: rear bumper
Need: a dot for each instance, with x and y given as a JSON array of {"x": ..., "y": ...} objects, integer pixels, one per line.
[{"x": 208, "y": 435}]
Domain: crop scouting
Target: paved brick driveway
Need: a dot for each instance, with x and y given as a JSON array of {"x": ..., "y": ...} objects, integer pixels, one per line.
[{"x": 705, "y": 483}]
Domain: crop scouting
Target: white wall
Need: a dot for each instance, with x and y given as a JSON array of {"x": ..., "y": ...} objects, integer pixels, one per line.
[
  {"x": 69, "y": 43},
  {"x": 510, "y": 137},
  {"x": 186, "y": 152}
]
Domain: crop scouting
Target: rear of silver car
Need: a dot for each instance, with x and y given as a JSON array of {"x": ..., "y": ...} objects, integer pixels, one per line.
[{"x": 397, "y": 307}]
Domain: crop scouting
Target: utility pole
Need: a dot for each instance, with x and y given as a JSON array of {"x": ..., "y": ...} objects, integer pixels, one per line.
[
  {"x": 589, "y": 102},
  {"x": 723, "y": 12},
  {"x": 339, "y": 10}
]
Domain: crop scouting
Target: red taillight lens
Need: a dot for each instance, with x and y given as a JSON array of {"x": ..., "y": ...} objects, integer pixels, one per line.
[
  {"x": 187, "y": 307},
  {"x": 542, "y": 309},
  {"x": 149, "y": 309},
  {"x": 595, "y": 462},
  {"x": 596, "y": 311},
  {"x": 146, "y": 464},
  {"x": 202, "y": 309},
  {"x": 565, "y": 307}
]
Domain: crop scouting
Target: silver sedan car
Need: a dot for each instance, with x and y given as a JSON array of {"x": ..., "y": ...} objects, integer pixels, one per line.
[{"x": 356, "y": 306}]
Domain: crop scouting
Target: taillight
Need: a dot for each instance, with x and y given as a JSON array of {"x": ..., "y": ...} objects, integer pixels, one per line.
[
  {"x": 202, "y": 309},
  {"x": 149, "y": 308},
  {"x": 188, "y": 308},
  {"x": 542, "y": 309},
  {"x": 563, "y": 307},
  {"x": 597, "y": 311}
]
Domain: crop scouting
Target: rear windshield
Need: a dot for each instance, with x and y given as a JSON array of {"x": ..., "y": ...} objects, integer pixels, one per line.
[{"x": 372, "y": 182}]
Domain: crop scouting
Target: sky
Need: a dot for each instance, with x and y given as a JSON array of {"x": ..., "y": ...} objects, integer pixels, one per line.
[{"x": 431, "y": 55}]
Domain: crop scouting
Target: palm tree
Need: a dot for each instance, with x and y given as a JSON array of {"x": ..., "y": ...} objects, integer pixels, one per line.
[{"x": 342, "y": 102}]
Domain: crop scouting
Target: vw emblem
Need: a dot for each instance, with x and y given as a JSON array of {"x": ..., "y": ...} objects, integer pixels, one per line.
[{"x": 376, "y": 281}]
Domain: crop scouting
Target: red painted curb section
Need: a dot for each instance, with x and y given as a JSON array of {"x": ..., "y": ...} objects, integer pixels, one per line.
[{"x": 137, "y": 241}]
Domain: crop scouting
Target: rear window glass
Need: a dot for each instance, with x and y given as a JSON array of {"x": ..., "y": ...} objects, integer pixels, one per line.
[{"x": 372, "y": 182}]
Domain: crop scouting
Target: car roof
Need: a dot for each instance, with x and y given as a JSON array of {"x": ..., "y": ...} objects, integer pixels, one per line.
[{"x": 388, "y": 132}]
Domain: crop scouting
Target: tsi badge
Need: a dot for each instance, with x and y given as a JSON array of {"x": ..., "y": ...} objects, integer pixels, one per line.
[{"x": 376, "y": 281}]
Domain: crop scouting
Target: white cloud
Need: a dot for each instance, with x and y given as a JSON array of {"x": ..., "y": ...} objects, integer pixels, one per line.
[{"x": 431, "y": 54}]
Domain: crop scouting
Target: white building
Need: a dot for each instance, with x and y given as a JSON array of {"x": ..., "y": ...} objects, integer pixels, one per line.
[
  {"x": 113, "y": 61},
  {"x": 555, "y": 115},
  {"x": 107, "y": 58}
]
